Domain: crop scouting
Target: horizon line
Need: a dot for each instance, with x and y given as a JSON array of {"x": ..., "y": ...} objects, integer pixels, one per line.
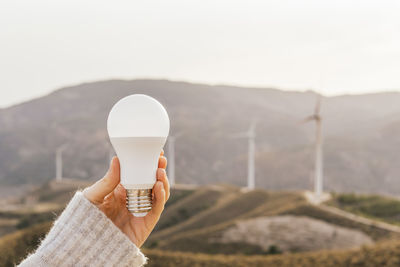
[{"x": 214, "y": 84}]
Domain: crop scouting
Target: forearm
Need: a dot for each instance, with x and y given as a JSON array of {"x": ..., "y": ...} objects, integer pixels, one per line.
[{"x": 84, "y": 236}]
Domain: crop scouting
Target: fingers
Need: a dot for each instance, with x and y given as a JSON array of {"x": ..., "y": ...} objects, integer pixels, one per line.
[
  {"x": 162, "y": 162},
  {"x": 104, "y": 186},
  {"x": 158, "y": 203},
  {"x": 161, "y": 192},
  {"x": 120, "y": 195},
  {"x": 162, "y": 177}
]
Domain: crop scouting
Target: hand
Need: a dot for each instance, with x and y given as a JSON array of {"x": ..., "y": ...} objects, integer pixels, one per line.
[{"x": 110, "y": 197}]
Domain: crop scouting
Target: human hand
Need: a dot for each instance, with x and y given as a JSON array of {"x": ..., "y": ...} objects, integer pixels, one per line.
[{"x": 110, "y": 197}]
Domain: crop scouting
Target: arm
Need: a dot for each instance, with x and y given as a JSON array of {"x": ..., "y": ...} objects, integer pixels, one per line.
[{"x": 96, "y": 229}]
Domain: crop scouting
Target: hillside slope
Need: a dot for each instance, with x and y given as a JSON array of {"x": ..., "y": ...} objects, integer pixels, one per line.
[
  {"x": 200, "y": 221},
  {"x": 385, "y": 254},
  {"x": 210, "y": 230}
]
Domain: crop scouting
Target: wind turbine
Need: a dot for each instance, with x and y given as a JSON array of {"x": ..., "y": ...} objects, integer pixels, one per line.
[
  {"x": 59, "y": 166},
  {"x": 318, "y": 172},
  {"x": 171, "y": 158},
  {"x": 250, "y": 135},
  {"x": 110, "y": 154}
]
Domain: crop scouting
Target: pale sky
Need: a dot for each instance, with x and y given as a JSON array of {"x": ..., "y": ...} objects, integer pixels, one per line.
[{"x": 341, "y": 46}]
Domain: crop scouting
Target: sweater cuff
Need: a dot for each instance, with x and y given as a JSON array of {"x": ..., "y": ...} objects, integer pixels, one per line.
[{"x": 84, "y": 236}]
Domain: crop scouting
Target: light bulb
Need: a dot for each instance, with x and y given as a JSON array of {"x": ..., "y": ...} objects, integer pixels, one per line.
[{"x": 138, "y": 127}]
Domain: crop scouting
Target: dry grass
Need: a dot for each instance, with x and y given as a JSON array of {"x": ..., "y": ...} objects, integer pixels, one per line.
[
  {"x": 197, "y": 233},
  {"x": 376, "y": 207},
  {"x": 183, "y": 205},
  {"x": 374, "y": 232},
  {"x": 193, "y": 219},
  {"x": 385, "y": 255},
  {"x": 14, "y": 247}
]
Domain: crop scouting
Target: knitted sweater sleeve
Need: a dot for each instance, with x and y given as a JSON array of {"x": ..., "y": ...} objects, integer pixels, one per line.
[{"x": 84, "y": 236}]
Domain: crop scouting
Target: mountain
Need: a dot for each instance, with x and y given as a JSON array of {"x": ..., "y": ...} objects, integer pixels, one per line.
[{"x": 361, "y": 133}]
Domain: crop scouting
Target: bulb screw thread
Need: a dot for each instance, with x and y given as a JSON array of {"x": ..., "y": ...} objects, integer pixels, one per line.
[{"x": 139, "y": 201}]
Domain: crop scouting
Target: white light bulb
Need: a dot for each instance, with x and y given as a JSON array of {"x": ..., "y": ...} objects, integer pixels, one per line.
[{"x": 138, "y": 127}]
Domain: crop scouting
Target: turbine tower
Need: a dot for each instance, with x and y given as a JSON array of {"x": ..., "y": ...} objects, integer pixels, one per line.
[
  {"x": 59, "y": 166},
  {"x": 171, "y": 158},
  {"x": 250, "y": 135},
  {"x": 318, "y": 172},
  {"x": 110, "y": 154}
]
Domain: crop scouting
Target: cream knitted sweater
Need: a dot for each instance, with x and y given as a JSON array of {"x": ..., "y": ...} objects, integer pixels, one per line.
[{"x": 84, "y": 236}]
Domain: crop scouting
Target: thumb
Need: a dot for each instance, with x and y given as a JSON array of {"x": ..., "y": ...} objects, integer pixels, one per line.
[{"x": 104, "y": 186}]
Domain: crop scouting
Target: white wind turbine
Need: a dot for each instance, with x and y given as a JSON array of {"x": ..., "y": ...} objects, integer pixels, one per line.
[
  {"x": 171, "y": 158},
  {"x": 59, "y": 164},
  {"x": 318, "y": 172},
  {"x": 110, "y": 154},
  {"x": 250, "y": 135}
]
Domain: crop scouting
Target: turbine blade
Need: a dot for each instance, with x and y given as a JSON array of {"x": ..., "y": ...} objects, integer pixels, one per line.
[
  {"x": 252, "y": 129},
  {"x": 178, "y": 134},
  {"x": 307, "y": 119},
  {"x": 239, "y": 135},
  {"x": 318, "y": 105}
]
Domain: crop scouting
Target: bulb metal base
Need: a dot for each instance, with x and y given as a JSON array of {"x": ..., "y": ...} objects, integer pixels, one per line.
[{"x": 139, "y": 201}]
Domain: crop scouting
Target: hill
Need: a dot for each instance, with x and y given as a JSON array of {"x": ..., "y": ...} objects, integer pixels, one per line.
[
  {"x": 377, "y": 207},
  {"x": 227, "y": 225},
  {"x": 203, "y": 227},
  {"x": 385, "y": 254},
  {"x": 360, "y": 134}
]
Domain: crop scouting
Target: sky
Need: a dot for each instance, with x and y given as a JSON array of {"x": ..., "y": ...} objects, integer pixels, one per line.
[{"x": 333, "y": 47}]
